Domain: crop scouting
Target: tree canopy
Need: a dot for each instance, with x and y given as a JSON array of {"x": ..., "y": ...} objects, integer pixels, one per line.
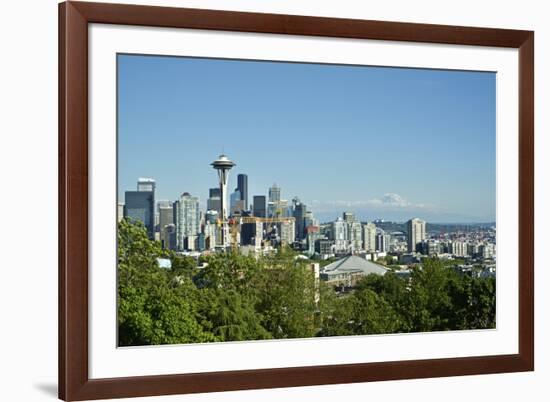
[{"x": 232, "y": 297}]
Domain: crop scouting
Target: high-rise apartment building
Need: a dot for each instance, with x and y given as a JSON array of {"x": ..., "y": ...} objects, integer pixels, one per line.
[
  {"x": 355, "y": 235},
  {"x": 288, "y": 231},
  {"x": 416, "y": 233},
  {"x": 369, "y": 237},
  {"x": 349, "y": 217},
  {"x": 383, "y": 242},
  {"x": 340, "y": 236},
  {"x": 459, "y": 248},
  {"x": 188, "y": 222},
  {"x": 354, "y": 231}
]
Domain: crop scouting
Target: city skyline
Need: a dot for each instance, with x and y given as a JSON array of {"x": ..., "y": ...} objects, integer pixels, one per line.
[{"x": 176, "y": 113}]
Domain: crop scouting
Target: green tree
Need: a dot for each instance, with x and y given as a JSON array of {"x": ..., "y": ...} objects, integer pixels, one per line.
[
  {"x": 152, "y": 309},
  {"x": 285, "y": 293},
  {"x": 394, "y": 291},
  {"x": 360, "y": 313},
  {"x": 230, "y": 316},
  {"x": 429, "y": 300}
]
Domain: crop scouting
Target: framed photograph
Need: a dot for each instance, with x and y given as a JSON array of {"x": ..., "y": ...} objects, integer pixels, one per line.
[{"x": 260, "y": 200}]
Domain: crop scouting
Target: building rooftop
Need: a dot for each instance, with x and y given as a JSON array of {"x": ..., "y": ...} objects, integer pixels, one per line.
[{"x": 353, "y": 263}]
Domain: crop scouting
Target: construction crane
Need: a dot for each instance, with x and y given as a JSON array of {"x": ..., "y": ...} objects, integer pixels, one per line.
[
  {"x": 236, "y": 222},
  {"x": 254, "y": 219}
]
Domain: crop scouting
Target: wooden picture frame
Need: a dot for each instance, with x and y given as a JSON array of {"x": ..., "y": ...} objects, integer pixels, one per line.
[{"x": 74, "y": 381}]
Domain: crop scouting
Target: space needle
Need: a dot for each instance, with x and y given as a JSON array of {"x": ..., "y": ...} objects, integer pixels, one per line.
[{"x": 223, "y": 165}]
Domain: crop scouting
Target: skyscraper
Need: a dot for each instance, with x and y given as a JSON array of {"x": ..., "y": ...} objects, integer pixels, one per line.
[
  {"x": 416, "y": 233},
  {"x": 355, "y": 235},
  {"x": 299, "y": 214},
  {"x": 259, "y": 207},
  {"x": 188, "y": 224},
  {"x": 274, "y": 193},
  {"x": 168, "y": 237},
  {"x": 369, "y": 237},
  {"x": 210, "y": 229},
  {"x": 242, "y": 186},
  {"x": 236, "y": 204},
  {"x": 287, "y": 230},
  {"x": 166, "y": 217},
  {"x": 274, "y": 205},
  {"x": 146, "y": 184},
  {"x": 214, "y": 201},
  {"x": 252, "y": 233},
  {"x": 348, "y": 217},
  {"x": 340, "y": 235},
  {"x": 140, "y": 206},
  {"x": 214, "y": 192}
]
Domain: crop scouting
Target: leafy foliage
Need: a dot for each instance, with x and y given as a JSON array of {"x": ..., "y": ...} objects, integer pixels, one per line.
[{"x": 234, "y": 298}]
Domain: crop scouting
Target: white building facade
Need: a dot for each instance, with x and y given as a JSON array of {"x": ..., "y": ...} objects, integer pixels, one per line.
[{"x": 188, "y": 222}]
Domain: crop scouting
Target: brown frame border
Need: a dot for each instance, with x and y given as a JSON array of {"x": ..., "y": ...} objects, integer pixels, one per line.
[{"x": 74, "y": 18}]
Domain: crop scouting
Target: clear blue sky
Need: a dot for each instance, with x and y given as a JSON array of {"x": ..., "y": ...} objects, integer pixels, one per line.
[{"x": 384, "y": 142}]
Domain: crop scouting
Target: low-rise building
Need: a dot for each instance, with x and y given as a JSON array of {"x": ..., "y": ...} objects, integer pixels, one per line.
[{"x": 346, "y": 271}]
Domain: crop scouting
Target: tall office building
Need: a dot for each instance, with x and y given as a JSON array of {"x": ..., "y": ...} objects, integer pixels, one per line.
[
  {"x": 140, "y": 206},
  {"x": 309, "y": 220},
  {"x": 146, "y": 184},
  {"x": 416, "y": 233},
  {"x": 299, "y": 214},
  {"x": 369, "y": 237},
  {"x": 258, "y": 206},
  {"x": 235, "y": 201},
  {"x": 252, "y": 234},
  {"x": 166, "y": 217},
  {"x": 274, "y": 200},
  {"x": 242, "y": 186},
  {"x": 188, "y": 222},
  {"x": 274, "y": 193},
  {"x": 214, "y": 201},
  {"x": 168, "y": 237}
]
